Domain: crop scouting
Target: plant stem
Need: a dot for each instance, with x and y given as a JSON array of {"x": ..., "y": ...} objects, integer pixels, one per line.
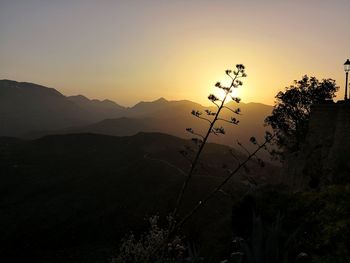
[
  {"x": 195, "y": 160},
  {"x": 218, "y": 188}
]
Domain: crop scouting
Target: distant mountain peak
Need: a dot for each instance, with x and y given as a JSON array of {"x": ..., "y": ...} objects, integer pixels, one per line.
[
  {"x": 108, "y": 101},
  {"x": 78, "y": 97},
  {"x": 8, "y": 80},
  {"x": 150, "y": 103},
  {"x": 161, "y": 99},
  {"x": 28, "y": 86}
]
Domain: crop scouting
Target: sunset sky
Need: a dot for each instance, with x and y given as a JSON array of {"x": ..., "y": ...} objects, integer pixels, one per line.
[{"x": 136, "y": 50}]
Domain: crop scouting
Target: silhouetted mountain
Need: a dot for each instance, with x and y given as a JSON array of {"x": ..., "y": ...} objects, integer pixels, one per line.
[
  {"x": 26, "y": 107},
  {"x": 174, "y": 117},
  {"x": 147, "y": 107},
  {"x": 98, "y": 109},
  {"x": 33, "y": 110},
  {"x": 162, "y": 108},
  {"x": 76, "y": 195}
]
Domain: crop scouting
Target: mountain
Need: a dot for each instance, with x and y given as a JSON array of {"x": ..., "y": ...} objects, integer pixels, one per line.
[
  {"x": 173, "y": 117},
  {"x": 70, "y": 198},
  {"x": 26, "y": 106},
  {"x": 97, "y": 109},
  {"x": 147, "y": 107},
  {"x": 33, "y": 110}
]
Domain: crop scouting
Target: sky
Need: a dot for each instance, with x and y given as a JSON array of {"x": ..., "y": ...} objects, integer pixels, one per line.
[{"x": 141, "y": 50}]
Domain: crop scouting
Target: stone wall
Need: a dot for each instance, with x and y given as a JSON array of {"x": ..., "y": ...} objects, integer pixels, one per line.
[{"x": 325, "y": 155}]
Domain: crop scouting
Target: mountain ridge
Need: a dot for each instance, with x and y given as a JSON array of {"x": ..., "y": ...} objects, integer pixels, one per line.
[
  {"x": 36, "y": 115},
  {"x": 160, "y": 99}
]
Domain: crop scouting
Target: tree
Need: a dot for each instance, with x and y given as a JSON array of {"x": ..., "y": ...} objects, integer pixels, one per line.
[{"x": 291, "y": 113}]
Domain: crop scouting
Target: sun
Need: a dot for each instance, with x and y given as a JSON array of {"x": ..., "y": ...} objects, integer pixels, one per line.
[
  {"x": 220, "y": 93},
  {"x": 210, "y": 78}
]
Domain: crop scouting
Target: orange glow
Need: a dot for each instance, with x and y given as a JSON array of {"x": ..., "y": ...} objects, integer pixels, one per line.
[{"x": 132, "y": 51}]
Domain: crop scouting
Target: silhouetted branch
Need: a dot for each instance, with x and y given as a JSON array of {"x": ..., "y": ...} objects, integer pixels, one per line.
[
  {"x": 216, "y": 104},
  {"x": 215, "y": 133},
  {"x": 235, "y": 157},
  {"x": 245, "y": 149},
  {"x": 190, "y": 130},
  {"x": 216, "y": 189},
  {"x": 236, "y": 99},
  {"x": 210, "y": 113},
  {"x": 219, "y": 130},
  {"x": 204, "y": 119},
  {"x": 146, "y": 156},
  {"x": 232, "y": 121},
  {"x": 236, "y": 111},
  {"x": 213, "y": 98}
]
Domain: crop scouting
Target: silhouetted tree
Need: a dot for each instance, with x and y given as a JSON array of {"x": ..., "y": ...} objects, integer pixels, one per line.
[{"x": 291, "y": 113}]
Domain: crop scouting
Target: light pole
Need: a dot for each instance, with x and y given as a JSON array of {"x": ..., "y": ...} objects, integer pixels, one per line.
[{"x": 347, "y": 69}]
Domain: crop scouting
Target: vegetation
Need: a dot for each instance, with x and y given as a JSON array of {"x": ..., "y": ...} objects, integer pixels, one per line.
[
  {"x": 313, "y": 223},
  {"x": 291, "y": 113},
  {"x": 66, "y": 198},
  {"x": 270, "y": 225},
  {"x": 194, "y": 156},
  {"x": 266, "y": 244},
  {"x": 146, "y": 248},
  {"x": 200, "y": 140}
]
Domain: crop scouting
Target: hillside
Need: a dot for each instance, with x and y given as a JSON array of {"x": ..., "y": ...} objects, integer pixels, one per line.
[
  {"x": 174, "y": 117},
  {"x": 26, "y": 106},
  {"x": 97, "y": 109},
  {"x": 33, "y": 111},
  {"x": 65, "y": 196}
]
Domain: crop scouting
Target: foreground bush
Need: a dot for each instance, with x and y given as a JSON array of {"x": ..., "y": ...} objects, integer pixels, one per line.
[{"x": 318, "y": 221}]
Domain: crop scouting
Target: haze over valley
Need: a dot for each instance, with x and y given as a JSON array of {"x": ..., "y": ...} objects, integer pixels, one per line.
[{"x": 30, "y": 111}]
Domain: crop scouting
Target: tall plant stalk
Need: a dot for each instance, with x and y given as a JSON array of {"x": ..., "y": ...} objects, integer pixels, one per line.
[
  {"x": 160, "y": 249},
  {"x": 201, "y": 203},
  {"x": 235, "y": 75},
  {"x": 235, "y": 83}
]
